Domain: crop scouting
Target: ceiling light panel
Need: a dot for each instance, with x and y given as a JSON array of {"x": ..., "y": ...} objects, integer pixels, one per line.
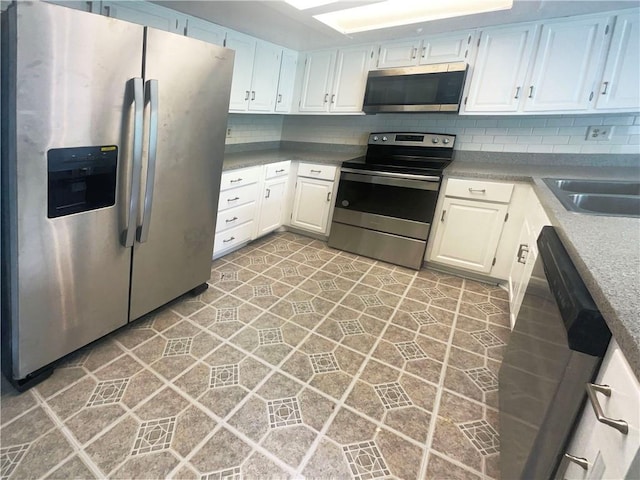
[
  {"x": 393, "y": 13},
  {"x": 307, "y": 4}
]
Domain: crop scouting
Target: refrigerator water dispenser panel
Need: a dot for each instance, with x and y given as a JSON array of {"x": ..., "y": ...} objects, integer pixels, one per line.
[{"x": 81, "y": 179}]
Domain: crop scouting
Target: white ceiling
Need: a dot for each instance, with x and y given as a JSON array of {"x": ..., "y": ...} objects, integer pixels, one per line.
[{"x": 280, "y": 23}]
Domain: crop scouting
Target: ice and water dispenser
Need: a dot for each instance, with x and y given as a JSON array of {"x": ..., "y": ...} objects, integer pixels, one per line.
[{"x": 81, "y": 179}]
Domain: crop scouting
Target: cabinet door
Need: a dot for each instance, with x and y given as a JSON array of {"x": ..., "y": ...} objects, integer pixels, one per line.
[
  {"x": 286, "y": 81},
  {"x": 145, "y": 13},
  {"x": 264, "y": 82},
  {"x": 521, "y": 268},
  {"x": 350, "y": 79},
  {"x": 205, "y": 31},
  {"x": 271, "y": 210},
  {"x": 316, "y": 82},
  {"x": 448, "y": 48},
  {"x": 564, "y": 70},
  {"x": 93, "y": 7},
  {"x": 501, "y": 65},
  {"x": 619, "y": 87},
  {"x": 244, "y": 47},
  {"x": 467, "y": 234},
  {"x": 399, "y": 54},
  {"x": 312, "y": 204}
]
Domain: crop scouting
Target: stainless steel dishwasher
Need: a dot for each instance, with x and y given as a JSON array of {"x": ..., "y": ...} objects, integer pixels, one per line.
[{"x": 556, "y": 347}]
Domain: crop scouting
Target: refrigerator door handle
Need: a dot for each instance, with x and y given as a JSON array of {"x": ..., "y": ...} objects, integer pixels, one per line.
[
  {"x": 151, "y": 97},
  {"x": 136, "y": 175}
]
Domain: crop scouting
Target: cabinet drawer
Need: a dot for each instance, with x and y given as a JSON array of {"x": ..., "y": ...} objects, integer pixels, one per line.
[
  {"x": 238, "y": 196},
  {"x": 312, "y": 170},
  {"x": 279, "y": 169},
  {"x": 232, "y": 237},
  {"x": 232, "y": 217},
  {"x": 238, "y": 178},
  {"x": 479, "y": 190}
]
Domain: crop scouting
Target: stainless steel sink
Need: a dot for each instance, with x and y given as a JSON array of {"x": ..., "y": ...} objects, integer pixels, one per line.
[
  {"x": 597, "y": 197},
  {"x": 599, "y": 186}
]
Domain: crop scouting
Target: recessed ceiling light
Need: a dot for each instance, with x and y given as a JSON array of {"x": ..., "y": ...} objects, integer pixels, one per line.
[
  {"x": 307, "y": 4},
  {"x": 393, "y": 13}
]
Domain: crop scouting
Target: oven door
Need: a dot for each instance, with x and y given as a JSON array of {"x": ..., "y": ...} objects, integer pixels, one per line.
[{"x": 392, "y": 203}]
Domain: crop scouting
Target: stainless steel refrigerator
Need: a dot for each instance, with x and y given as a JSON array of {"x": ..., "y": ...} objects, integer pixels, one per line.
[{"x": 112, "y": 148}]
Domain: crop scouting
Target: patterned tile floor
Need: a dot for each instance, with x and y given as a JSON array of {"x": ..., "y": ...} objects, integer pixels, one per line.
[{"x": 298, "y": 361}]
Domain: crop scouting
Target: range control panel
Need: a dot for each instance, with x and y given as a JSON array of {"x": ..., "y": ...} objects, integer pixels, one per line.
[{"x": 413, "y": 139}]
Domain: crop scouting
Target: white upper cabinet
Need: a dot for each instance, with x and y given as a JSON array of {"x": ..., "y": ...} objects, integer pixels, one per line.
[
  {"x": 619, "y": 87},
  {"x": 146, "y": 13},
  {"x": 205, "y": 31},
  {"x": 286, "y": 81},
  {"x": 565, "y": 67},
  {"x": 245, "y": 48},
  {"x": 423, "y": 51},
  {"x": 497, "y": 79},
  {"x": 316, "y": 82},
  {"x": 334, "y": 81},
  {"x": 264, "y": 79},
  {"x": 93, "y": 7}
]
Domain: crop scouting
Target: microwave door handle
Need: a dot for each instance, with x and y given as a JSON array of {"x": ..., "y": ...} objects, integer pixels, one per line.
[
  {"x": 151, "y": 97},
  {"x": 136, "y": 173}
]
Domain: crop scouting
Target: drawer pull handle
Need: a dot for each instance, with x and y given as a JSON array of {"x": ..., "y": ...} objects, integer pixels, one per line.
[
  {"x": 315, "y": 171},
  {"x": 328, "y": 196},
  {"x": 229, "y": 220},
  {"x": 606, "y": 85},
  {"x": 522, "y": 253},
  {"x": 280, "y": 171},
  {"x": 246, "y": 95},
  {"x": 478, "y": 190},
  {"x": 268, "y": 193},
  {"x": 228, "y": 240},
  {"x": 235, "y": 181},
  {"x": 592, "y": 389},
  {"x": 442, "y": 217},
  {"x": 582, "y": 462},
  {"x": 233, "y": 199}
]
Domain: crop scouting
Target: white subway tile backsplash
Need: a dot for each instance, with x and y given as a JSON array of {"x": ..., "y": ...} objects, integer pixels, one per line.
[
  {"x": 483, "y": 139},
  {"x": 474, "y": 131},
  {"x": 595, "y": 148},
  {"x": 560, "y": 122},
  {"x": 555, "y": 140},
  {"x": 505, "y": 139},
  {"x": 496, "y": 131},
  {"x": 515, "y": 148},
  {"x": 545, "y": 131},
  {"x": 572, "y": 131},
  {"x": 520, "y": 131},
  {"x": 566, "y": 148},
  {"x": 529, "y": 139},
  {"x": 627, "y": 120},
  {"x": 540, "y": 148},
  {"x": 588, "y": 120},
  {"x": 533, "y": 122}
]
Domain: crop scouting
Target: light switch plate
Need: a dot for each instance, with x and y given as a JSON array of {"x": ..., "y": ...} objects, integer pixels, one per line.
[{"x": 599, "y": 133}]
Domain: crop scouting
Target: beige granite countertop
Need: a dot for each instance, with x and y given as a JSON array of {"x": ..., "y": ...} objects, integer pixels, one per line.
[
  {"x": 605, "y": 250},
  {"x": 261, "y": 157}
]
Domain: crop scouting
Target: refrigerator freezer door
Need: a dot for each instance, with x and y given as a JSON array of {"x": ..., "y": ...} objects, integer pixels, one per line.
[
  {"x": 193, "y": 86},
  {"x": 70, "y": 274}
]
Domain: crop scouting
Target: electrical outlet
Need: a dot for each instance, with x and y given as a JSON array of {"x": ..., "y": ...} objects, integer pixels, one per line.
[
  {"x": 228, "y": 132},
  {"x": 599, "y": 133}
]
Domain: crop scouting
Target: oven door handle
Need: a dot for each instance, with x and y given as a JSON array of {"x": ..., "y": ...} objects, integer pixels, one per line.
[{"x": 393, "y": 181}]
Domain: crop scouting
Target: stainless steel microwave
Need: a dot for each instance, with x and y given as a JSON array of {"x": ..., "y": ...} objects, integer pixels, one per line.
[{"x": 428, "y": 88}]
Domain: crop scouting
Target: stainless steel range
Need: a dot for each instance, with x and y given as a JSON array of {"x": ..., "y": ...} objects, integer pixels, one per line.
[{"x": 386, "y": 199}]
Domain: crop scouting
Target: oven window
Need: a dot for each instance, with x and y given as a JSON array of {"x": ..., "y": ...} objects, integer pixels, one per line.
[{"x": 392, "y": 201}]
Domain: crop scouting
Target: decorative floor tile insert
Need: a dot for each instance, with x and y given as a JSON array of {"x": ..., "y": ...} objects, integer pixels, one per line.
[
  {"x": 10, "y": 458},
  {"x": 228, "y": 276},
  {"x": 262, "y": 291},
  {"x": 351, "y": 327},
  {"x": 290, "y": 272},
  {"x": 227, "y": 315},
  {"x": 224, "y": 376},
  {"x": 311, "y": 256},
  {"x": 387, "y": 279},
  {"x": 107, "y": 392},
  {"x": 410, "y": 350},
  {"x": 178, "y": 346},
  {"x": 324, "y": 362},
  {"x": 487, "y": 338},
  {"x": 482, "y": 435},
  {"x": 392, "y": 395},
  {"x": 328, "y": 285},
  {"x": 424, "y": 318},
  {"x": 371, "y": 300},
  {"x": 433, "y": 293},
  {"x": 284, "y": 412},
  {"x": 488, "y": 308},
  {"x": 258, "y": 260},
  {"x": 302, "y": 307},
  {"x": 484, "y": 379},
  {"x": 282, "y": 247},
  {"x": 270, "y": 336},
  {"x": 228, "y": 474},
  {"x": 346, "y": 267},
  {"x": 154, "y": 435},
  {"x": 365, "y": 461}
]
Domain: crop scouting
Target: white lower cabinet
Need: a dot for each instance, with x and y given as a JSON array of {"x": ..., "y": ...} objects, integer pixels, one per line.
[
  {"x": 608, "y": 452},
  {"x": 313, "y": 198},
  {"x": 274, "y": 194},
  {"x": 468, "y": 224}
]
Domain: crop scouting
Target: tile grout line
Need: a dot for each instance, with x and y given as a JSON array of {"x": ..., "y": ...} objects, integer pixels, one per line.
[
  {"x": 356, "y": 376},
  {"x": 87, "y": 460},
  {"x": 436, "y": 405}
]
